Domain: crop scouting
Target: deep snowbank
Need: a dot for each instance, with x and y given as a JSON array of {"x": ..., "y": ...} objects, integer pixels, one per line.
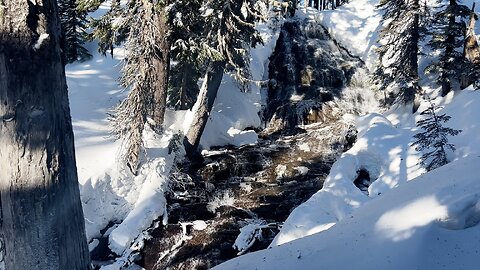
[
  {"x": 429, "y": 223},
  {"x": 409, "y": 220}
]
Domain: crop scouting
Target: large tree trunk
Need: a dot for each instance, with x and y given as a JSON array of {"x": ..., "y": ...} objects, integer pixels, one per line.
[
  {"x": 205, "y": 101},
  {"x": 161, "y": 65},
  {"x": 41, "y": 215}
]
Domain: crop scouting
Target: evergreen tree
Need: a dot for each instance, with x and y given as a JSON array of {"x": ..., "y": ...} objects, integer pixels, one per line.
[
  {"x": 398, "y": 51},
  {"x": 228, "y": 33},
  {"x": 434, "y": 138},
  {"x": 186, "y": 31},
  {"x": 448, "y": 34},
  {"x": 73, "y": 23},
  {"x": 107, "y": 30},
  {"x": 183, "y": 85},
  {"x": 145, "y": 27}
]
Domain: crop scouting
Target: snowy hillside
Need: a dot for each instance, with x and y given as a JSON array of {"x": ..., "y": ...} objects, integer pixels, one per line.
[
  {"x": 426, "y": 224},
  {"x": 408, "y": 218}
]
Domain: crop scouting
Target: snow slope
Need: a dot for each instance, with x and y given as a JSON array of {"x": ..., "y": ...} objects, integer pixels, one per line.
[
  {"x": 355, "y": 25},
  {"x": 429, "y": 223},
  {"x": 109, "y": 192},
  {"x": 384, "y": 151},
  {"x": 409, "y": 219}
]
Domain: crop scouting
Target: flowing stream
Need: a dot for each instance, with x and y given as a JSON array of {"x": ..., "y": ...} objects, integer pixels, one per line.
[{"x": 257, "y": 186}]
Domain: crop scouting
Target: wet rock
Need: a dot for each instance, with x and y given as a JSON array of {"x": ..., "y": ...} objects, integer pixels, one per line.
[{"x": 307, "y": 69}]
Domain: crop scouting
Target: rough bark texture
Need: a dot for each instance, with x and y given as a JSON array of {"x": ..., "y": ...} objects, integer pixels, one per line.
[
  {"x": 42, "y": 219},
  {"x": 161, "y": 64},
  {"x": 208, "y": 93}
]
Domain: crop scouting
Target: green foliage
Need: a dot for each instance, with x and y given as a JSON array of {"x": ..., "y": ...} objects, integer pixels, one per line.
[
  {"x": 73, "y": 23},
  {"x": 398, "y": 51},
  {"x": 176, "y": 143},
  {"x": 109, "y": 30},
  {"x": 434, "y": 138},
  {"x": 183, "y": 85},
  {"x": 447, "y": 33},
  {"x": 220, "y": 30}
]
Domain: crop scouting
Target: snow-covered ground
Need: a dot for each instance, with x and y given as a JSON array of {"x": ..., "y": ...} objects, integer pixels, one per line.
[
  {"x": 410, "y": 218},
  {"x": 110, "y": 193}
]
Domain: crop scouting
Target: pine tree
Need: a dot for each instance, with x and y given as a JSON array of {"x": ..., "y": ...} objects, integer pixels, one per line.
[
  {"x": 73, "y": 24},
  {"x": 145, "y": 27},
  {"x": 448, "y": 33},
  {"x": 228, "y": 33},
  {"x": 183, "y": 86},
  {"x": 434, "y": 138},
  {"x": 398, "y": 52},
  {"x": 186, "y": 31},
  {"x": 107, "y": 30}
]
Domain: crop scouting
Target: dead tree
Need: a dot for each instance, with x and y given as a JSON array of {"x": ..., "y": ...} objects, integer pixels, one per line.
[{"x": 41, "y": 214}]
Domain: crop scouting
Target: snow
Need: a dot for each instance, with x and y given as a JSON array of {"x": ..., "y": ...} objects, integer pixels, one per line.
[
  {"x": 383, "y": 151},
  {"x": 40, "y": 41},
  {"x": 429, "y": 223},
  {"x": 235, "y": 111},
  {"x": 355, "y": 24},
  {"x": 109, "y": 192},
  {"x": 409, "y": 218}
]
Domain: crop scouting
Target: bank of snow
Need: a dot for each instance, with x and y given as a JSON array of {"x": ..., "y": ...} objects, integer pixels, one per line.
[
  {"x": 409, "y": 219},
  {"x": 110, "y": 193},
  {"x": 429, "y": 223},
  {"x": 355, "y": 25}
]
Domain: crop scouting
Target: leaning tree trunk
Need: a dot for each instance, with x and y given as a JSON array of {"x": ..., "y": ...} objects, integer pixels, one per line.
[
  {"x": 204, "y": 106},
  {"x": 41, "y": 214}
]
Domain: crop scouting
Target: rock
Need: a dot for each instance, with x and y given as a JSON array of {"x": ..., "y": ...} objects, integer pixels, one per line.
[{"x": 307, "y": 69}]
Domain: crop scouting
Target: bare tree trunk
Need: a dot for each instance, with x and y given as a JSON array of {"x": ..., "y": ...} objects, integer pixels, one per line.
[
  {"x": 161, "y": 65},
  {"x": 206, "y": 99},
  {"x": 41, "y": 214}
]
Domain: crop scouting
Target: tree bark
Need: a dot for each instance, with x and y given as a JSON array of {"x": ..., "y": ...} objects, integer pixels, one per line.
[
  {"x": 161, "y": 65},
  {"x": 205, "y": 101},
  {"x": 41, "y": 214}
]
